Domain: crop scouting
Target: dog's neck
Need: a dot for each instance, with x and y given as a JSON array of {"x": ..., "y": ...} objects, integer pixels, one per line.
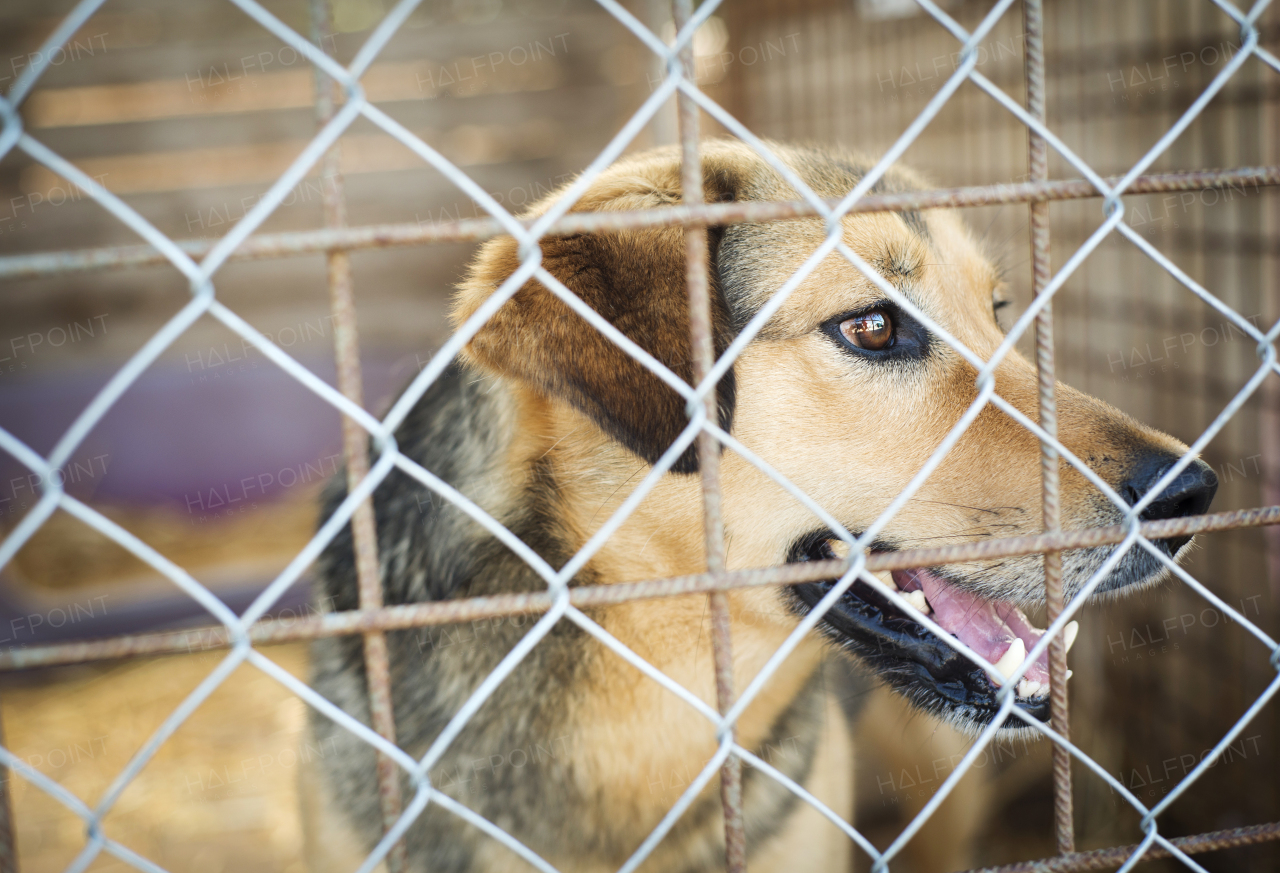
[{"x": 591, "y": 477}]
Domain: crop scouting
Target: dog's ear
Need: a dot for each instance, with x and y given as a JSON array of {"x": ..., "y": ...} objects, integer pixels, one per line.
[{"x": 635, "y": 279}]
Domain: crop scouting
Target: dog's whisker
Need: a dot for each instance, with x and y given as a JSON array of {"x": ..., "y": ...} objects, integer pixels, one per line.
[
  {"x": 552, "y": 447},
  {"x": 1000, "y": 209},
  {"x": 993, "y": 510},
  {"x": 1003, "y": 245},
  {"x": 613, "y": 493}
]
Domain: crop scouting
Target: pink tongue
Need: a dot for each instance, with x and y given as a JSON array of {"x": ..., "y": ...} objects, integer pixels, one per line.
[{"x": 988, "y": 627}]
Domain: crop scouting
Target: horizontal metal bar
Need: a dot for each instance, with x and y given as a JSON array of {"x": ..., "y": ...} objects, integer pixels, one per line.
[
  {"x": 281, "y": 245},
  {"x": 1106, "y": 859},
  {"x": 475, "y": 608}
]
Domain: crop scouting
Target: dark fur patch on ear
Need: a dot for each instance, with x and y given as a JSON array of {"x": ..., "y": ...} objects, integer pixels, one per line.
[{"x": 636, "y": 281}]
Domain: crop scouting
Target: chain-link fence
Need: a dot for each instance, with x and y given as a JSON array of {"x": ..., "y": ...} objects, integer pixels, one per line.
[{"x": 341, "y": 101}]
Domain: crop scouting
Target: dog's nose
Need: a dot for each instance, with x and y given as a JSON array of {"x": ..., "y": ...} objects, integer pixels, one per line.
[{"x": 1190, "y": 493}]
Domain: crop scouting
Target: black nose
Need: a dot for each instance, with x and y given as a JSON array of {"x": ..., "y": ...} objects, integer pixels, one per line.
[{"x": 1188, "y": 494}]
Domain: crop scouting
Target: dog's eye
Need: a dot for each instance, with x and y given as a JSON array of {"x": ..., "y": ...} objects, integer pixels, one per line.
[{"x": 872, "y": 330}]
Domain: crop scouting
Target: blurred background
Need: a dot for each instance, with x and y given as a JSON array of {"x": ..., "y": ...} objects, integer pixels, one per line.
[{"x": 190, "y": 111}]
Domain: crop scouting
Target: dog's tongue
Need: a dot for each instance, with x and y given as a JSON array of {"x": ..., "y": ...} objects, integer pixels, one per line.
[{"x": 989, "y": 627}]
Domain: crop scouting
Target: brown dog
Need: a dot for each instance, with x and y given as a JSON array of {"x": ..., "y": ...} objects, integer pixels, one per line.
[{"x": 547, "y": 425}]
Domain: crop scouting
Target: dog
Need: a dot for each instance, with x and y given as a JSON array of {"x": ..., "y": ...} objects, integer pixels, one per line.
[{"x": 547, "y": 425}]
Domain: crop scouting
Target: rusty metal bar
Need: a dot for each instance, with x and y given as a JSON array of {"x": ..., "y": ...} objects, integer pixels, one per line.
[
  {"x": 280, "y": 245},
  {"x": 372, "y": 620},
  {"x": 702, "y": 357},
  {"x": 1107, "y": 859},
  {"x": 413, "y": 615},
  {"x": 1041, "y": 274},
  {"x": 355, "y": 447},
  {"x": 8, "y": 848}
]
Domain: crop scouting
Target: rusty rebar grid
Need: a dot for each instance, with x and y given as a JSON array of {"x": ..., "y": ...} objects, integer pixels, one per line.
[
  {"x": 406, "y": 616},
  {"x": 295, "y": 243},
  {"x": 1041, "y": 275},
  {"x": 336, "y": 240},
  {"x": 1108, "y": 859},
  {"x": 702, "y": 357},
  {"x": 355, "y": 450}
]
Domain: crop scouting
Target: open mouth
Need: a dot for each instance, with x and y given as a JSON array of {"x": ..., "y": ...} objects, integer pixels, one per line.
[{"x": 914, "y": 660}]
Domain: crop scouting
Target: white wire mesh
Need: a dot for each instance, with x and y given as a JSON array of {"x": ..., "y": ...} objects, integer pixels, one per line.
[{"x": 204, "y": 300}]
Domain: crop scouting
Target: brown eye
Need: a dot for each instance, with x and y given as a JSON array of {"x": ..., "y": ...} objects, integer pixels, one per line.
[{"x": 872, "y": 330}]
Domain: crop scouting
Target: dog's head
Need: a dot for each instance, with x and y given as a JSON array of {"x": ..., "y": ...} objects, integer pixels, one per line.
[{"x": 847, "y": 395}]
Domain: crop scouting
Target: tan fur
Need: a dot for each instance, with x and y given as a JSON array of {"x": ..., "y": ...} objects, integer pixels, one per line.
[
  {"x": 329, "y": 843},
  {"x": 899, "y": 738},
  {"x": 810, "y": 841}
]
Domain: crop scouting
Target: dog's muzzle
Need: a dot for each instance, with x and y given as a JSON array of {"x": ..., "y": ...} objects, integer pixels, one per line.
[
  {"x": 912, "y": 659},
  {"x": 930, "y": 671}
]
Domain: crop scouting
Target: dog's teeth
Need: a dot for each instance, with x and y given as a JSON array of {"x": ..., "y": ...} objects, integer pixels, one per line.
[
  {"x": 885, "y": 578},
  {"x": 917, "y": 599},
  {"x": 1011, "y": 659},
  {"x": 1069, "y": 672},
  {"x": 1029, "y": 688},
  {"x": 839, "y": 548},
  {"x": 1069, "y": 635}
]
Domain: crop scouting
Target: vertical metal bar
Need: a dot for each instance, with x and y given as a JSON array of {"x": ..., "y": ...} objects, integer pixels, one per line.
[
  {"x": 355, "y": 445},
  {"x": 8, "y": 849},
  {"x": 1038, "y": 161},
  {"x": 701, "y": 337}
]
